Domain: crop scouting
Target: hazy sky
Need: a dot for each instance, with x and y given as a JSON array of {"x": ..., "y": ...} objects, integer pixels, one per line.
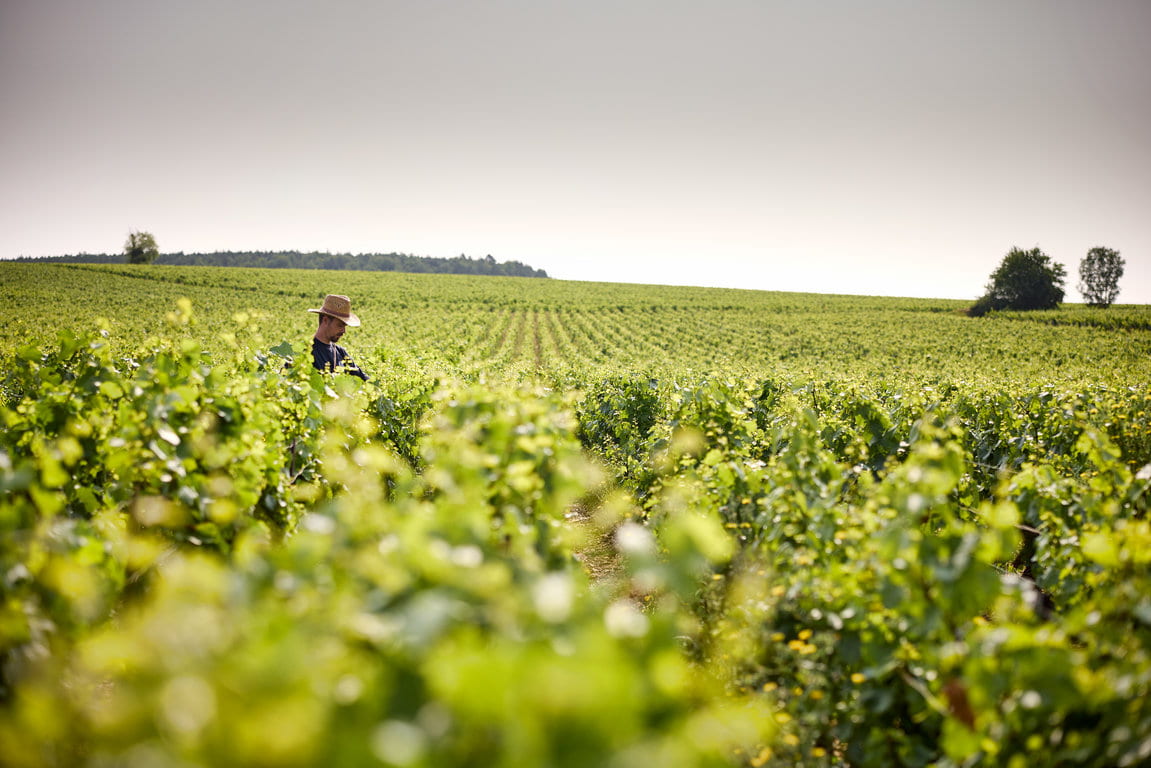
[{"x": 894, "y": 147}]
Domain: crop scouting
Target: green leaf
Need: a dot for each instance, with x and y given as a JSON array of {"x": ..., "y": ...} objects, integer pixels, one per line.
[
  {"x": 111, "y": 390},
  {"x": 1101, "y": 548},
  {"x": 283, "y": 349}
]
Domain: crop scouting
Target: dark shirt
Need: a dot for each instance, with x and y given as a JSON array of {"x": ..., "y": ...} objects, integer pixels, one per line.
[{"x": 333, "y": 357}]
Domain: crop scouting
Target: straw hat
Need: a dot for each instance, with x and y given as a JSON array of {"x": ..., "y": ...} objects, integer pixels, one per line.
[{"x": 339, "y": 307}]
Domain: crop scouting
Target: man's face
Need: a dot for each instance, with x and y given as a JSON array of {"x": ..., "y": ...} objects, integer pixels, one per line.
[{"x": 334, "y": 328}]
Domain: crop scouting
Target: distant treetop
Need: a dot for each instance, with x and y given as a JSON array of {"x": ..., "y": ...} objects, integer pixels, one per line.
[
  {"x": 1023, "y": 280},
  {"x": 141, "y": 248},
  {"x": 1099, "y": 274}
]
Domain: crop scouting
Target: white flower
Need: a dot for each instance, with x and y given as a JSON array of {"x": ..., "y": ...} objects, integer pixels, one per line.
[
  {"x": 634, "y": 539},
  {"x": 553, "y": 596},
  {"x": 623, "y": 619}
]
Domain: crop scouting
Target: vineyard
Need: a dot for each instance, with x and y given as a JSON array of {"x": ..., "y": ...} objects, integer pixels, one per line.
[{"x": 566, "y": 524}]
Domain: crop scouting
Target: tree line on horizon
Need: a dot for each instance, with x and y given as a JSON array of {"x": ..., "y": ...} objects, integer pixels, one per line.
[
  {"x": 1024, "y": 280},
  {"x": 371, "y": 262}
]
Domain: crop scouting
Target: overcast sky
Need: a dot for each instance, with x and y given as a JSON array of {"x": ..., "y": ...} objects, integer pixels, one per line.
[{"x": 887, "y": 147}]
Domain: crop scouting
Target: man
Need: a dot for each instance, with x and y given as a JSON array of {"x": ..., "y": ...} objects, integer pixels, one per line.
[{"x": 335, "y": 316}]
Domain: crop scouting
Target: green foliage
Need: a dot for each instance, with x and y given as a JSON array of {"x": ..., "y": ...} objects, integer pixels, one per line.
[
  {"x": 431, "y": 327},
  {"x": 616, "y": 419},
  {"x": 141, "y": 248},
  {"x": 1099, "y": 274},
  {"x": 544, "y": 534},
  {"x": 1023, "y": 280}
]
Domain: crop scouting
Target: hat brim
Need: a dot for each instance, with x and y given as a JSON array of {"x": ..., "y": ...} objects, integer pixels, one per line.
[{"x": 350, "y": 320}]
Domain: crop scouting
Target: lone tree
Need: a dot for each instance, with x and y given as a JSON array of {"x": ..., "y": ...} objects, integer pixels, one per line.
[
  {"x": 1024, "y": 280},
  {"x": 1099, "y": 274},
  {"x": 140, "y": 248}
]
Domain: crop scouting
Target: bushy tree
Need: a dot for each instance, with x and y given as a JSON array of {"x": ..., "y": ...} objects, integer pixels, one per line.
[
  {"x": 141, "y": 248},
  {"x": 1023, "y": 280},
  {"x": 1099, "y": 274}
]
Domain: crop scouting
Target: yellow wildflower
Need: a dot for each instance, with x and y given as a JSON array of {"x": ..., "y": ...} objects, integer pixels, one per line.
[{"x": 764, "y": 755}]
